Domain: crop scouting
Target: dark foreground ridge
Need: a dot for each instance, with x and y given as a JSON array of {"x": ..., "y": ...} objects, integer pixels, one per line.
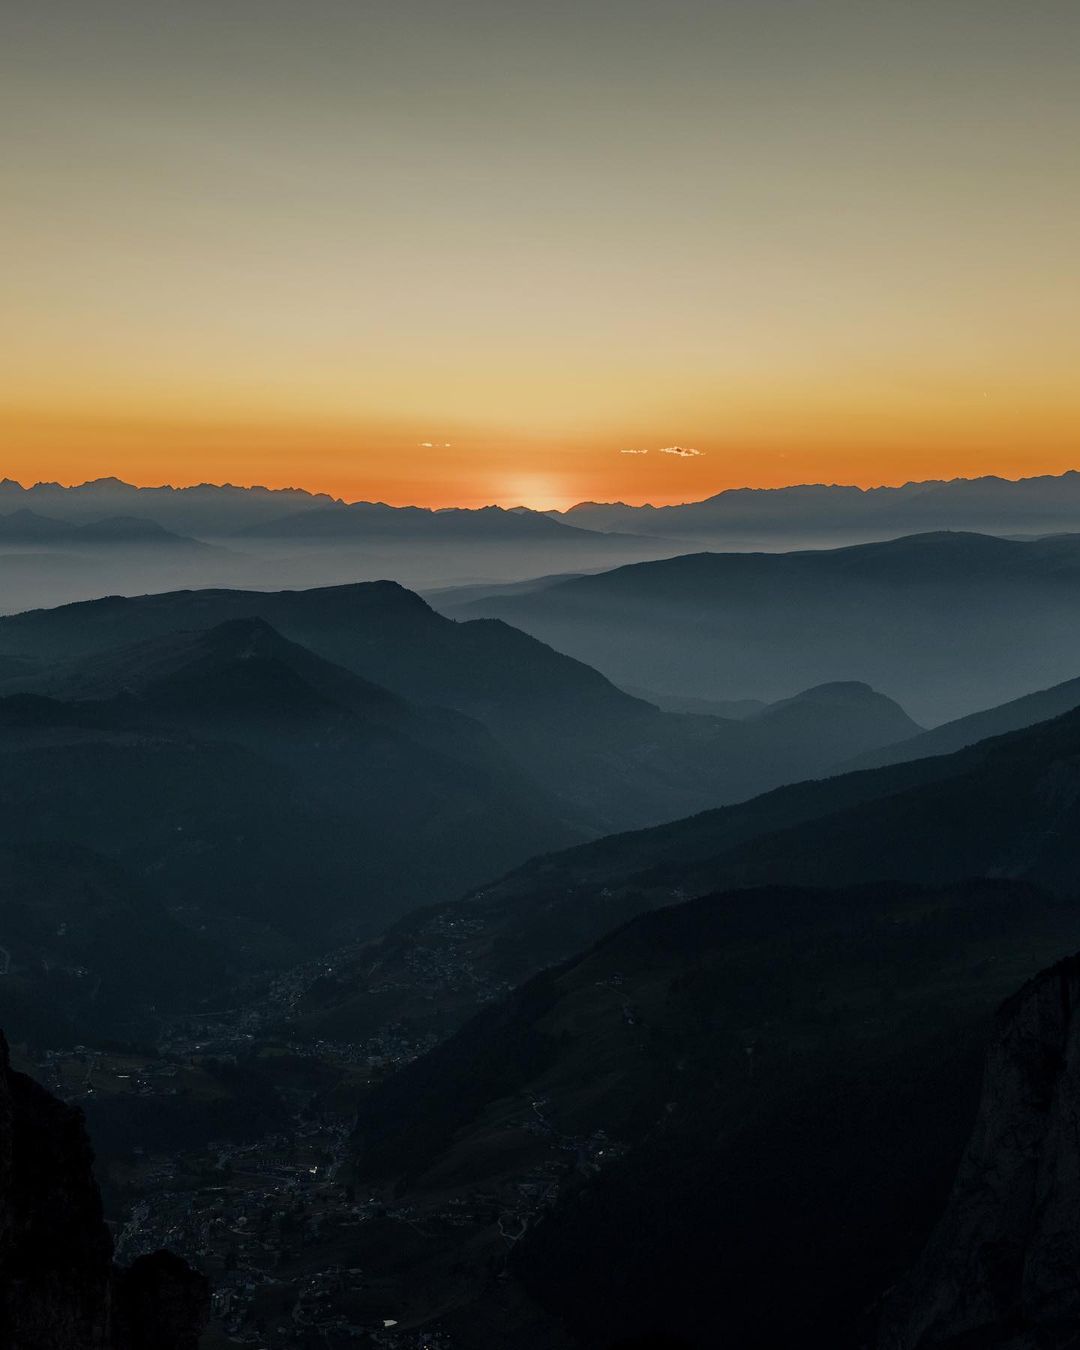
[
  {"x": 999, "y": 1272},
  {"x": 59, "y": 1288}
]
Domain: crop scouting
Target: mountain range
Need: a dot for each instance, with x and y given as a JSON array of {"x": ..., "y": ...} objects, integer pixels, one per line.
[
  {"x": 272, "y": 538},
  {"x": 231, "y": 771},
  {"x": 786, "y": 1073},
  {"x": 620, "y": 1019},
  {"x": 740, "y": 1074},
  {"x": 796, "y": 516},
  {"x": 28, "y": 527},
  {"x": 612, "y": 760},
  {"x": 944, "y": 623},
  {"x": 1043, "y": 504},
  {"x": 1005, "y": 807}
]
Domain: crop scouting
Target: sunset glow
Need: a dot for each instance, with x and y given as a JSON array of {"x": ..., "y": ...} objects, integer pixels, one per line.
[{"x": 424, "y": 254}]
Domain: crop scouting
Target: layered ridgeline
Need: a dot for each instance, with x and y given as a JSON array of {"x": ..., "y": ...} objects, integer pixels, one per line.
[
  {"x": 749, "y": 1091},
  {"x": 1006, "y": 807},
  {"x": 781, "y": 517},
  {"x": 290, "y": 537},
  {"x": 263, "y": 795},
  {"x": 28, "y": 528},
  {"x": 962, "y": 731},
  {"x": 942, "y": 622},
  {"x": 612, "y": 760},
  {"x": 46, "y": 560},
  {"x": 58, "y": 1286},
  {"x": 999, "y": 1271},
  {"x": 785, "y": 1075},
  {"x": 107, "y": 537},
  {"x": 997, "y": 505}
]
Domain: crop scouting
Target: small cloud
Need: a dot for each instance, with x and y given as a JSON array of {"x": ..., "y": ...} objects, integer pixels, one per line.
[
  {"x": 684, "y": 452},
  {"x": 434, "y": 445},
  {"x": 633, "y": 452}
]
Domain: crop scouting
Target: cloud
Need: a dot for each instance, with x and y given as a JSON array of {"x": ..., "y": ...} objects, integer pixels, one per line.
[
  {"x": 434, "y": 445},
  {"x": 684, "y": 452},
  {"x": 633, "y": 452}
]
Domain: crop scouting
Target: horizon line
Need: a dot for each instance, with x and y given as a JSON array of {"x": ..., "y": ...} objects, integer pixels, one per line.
[{"x": 8, "y": 483}]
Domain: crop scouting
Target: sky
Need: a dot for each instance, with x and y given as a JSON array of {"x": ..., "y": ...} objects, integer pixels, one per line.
[{"x": 458, "y": 253}]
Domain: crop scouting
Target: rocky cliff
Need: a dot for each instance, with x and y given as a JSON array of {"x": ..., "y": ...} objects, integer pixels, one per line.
[
  {"x": 1002, "y": 1269},
  {"x": 59, "y": 1289}
]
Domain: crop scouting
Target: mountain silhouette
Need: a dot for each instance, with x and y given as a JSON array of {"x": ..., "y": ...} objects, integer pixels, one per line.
[
  {"x": 1006, "y": 807},
  {"x": 942, "y": 622},
  {"x": 235, "y": 772},
  {"x": 999, "y": 1269},
  {"x": 784, "y": 1076},
  {"x": 28, "y": 527},
  {"x": 943, "y": 740},
  {"x": 362, "y": 520},
  {"x": 59, "y": 1286},
  {"x": 1040, "y": 504},
  {"x": 613, "y": 760}
]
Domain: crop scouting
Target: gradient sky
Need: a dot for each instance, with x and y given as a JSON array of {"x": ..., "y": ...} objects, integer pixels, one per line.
[{"x": 466, "y": 252}]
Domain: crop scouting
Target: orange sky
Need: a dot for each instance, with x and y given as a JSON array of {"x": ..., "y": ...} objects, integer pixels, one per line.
[
  {"x": 428, "y": 254},
  {"x": 471, "y": 473}
]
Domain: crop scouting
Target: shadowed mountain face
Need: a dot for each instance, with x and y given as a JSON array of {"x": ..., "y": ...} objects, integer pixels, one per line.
[
  {"x": 613, "y": 760},
  {"x": 942, "y": 622},
  {"x": 952, "y": 736},
  {"x": 244, "y": 779},
  {"x": 999, "y": 1272},
  {"x": 1007, "y": 807},
  {"x": 749, "y": 1088},
  {"x": 87, "y": 951},
  {"x": 58, "y": 1287}
]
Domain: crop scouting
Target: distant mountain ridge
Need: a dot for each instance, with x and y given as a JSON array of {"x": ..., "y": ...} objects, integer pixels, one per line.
[
  {"x": 951, "y": 736},
  {"x": 944, "y": 622},
  {"x": 1041, "y": 503},
  {"x": 205, "y": 508},
  {"x": 341, "y": 522},
  {"x": 24, "y": 526}
]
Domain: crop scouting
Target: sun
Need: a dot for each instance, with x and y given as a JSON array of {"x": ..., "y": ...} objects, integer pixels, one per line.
[{"x": 537, "y": 491}]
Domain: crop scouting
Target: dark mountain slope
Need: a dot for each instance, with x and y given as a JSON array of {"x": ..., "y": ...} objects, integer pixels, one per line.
[
  {"x": 751, "y": 1091},
  {"x": 999, "y": 1272},
  {"x": 952, "y": 736},
  {"x": 240, "y": 774},
  {"x": 58, "y": 1287},
  {"x": 87, "y": 952},
  {"x": 616, "y": 761},
  {"x": 1007, "y": 807},
  {"x": 942, "y": 622}
]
